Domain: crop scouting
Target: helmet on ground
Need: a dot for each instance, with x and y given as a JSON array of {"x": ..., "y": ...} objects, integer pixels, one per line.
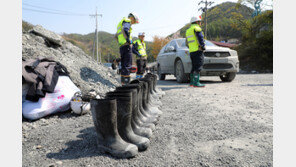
[
  {"x": 78, "y": 106},
  {"x": 195, "y": 19},
  {"x": 135, "y": 16}
]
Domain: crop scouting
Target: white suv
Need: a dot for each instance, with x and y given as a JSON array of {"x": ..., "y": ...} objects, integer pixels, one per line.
[{"x": 174, "y": 59}]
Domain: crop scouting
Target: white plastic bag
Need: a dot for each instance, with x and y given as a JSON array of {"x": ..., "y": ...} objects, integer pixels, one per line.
[{"x": 58, "y": 101}]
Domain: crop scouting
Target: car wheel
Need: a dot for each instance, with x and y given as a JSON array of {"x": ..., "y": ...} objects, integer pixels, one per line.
[
  {"x": 179, "y": 71},
  {"x": 161, "y": 76},
  {"x": 228, "y": 77}
]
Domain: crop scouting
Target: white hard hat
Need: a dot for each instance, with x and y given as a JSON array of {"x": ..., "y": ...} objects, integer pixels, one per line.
[
  {"x": 78, "y": 106},
  {"x": 195, "y": 19},
  {"x": 141, "y": 34},
  {"x": 135, "y": 16}
]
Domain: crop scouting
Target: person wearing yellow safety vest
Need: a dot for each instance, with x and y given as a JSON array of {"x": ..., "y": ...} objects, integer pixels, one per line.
[
  {"x": 139, "y": 48},
  {"x": 124, "y": 38},
  {"x": 195, "y": 43}
]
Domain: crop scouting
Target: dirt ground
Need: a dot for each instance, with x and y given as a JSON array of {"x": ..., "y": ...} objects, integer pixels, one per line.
[{"x": 223, "y": 124}]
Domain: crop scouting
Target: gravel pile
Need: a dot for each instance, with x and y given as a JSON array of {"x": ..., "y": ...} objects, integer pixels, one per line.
[{"x": 84, "y": 71}]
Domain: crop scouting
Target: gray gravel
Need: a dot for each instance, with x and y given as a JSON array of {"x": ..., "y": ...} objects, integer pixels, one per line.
[
  {"x": 224, "y": 124},
  {"x": 84, "y": 71}
]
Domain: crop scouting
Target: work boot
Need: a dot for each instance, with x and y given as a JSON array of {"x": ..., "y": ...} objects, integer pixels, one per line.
[
  {"x": 125, "y": 80},
  {"x": 137, "y": 117},
  {"x": 196, "y": 82},
  {"x": 139, "y": 130},
  {"x": 124, "y": 116},
  {"x": 146, "y": 117},
  {"x": 157, "y": 90},
  {"x": 148, "y": 108},
  {"x": 142, "y": 100},
  {"x": 191, "y": 80},
  {"x": 153, "y": 79},
  {"x": 155, "y": 102},
  {"x": 156, "y": 95},
  {"x": 104, "y": 114}
]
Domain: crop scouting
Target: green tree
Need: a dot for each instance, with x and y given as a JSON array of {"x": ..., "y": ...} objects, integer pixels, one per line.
[{"x": 256, "y": 50}]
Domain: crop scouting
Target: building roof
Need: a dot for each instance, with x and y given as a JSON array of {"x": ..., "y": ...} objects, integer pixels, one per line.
[{"x": 222, "y": 44}]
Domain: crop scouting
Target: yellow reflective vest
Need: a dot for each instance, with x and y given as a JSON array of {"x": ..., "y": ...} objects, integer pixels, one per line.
[
  {"x": 141, "y": 47},
  {"x": 191, "y": 37},
  {"x": 120, "y": 35}
]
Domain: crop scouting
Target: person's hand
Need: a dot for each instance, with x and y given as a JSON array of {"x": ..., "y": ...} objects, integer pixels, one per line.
[{"x": 203, "y": 48}]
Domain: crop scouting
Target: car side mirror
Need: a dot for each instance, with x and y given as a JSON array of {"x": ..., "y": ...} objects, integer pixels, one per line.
[{"x": 170, "y": 49}]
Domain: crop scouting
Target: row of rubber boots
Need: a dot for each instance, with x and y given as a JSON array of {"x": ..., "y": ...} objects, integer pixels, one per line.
[{"x": 125, "y": 119}]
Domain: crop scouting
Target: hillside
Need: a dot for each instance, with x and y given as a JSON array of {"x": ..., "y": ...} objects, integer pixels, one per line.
[
  {"x": 108, "y": 46},
  {"x": 219, "y": 20}
]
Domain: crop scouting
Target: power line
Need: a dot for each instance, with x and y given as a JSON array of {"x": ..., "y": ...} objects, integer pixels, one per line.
[
  {"x": 40, "y": 7},
  {"x": 49, "y": 12}
]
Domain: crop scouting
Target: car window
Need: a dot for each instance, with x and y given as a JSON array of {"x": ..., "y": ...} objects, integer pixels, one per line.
[
  {"x": 172, "y": 43},
  {"x": 165, "y": 48},
  {"x": 181, "y": 43}
]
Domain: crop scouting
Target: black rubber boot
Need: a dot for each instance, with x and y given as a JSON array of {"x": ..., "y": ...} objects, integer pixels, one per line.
[
  {"x": 154, "y": 96},
  {"x": 143, "y": 96},
  {"x": 104, "y": 114},
  {"x": 154, "y": 80},
  {"x": 148, "y": 118},
  {"x": 140, "y": 119},
  {"x": 124, "y": 116},
  {"x": 151, "y": 109},
  {"x": 142, "y": 131},
  {"x": 155, "y": 89},
  {"x": 147, "y": 107},
  {"x": 137, "y": 117}
]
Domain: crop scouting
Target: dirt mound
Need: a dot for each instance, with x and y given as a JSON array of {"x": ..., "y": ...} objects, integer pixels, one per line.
[{"x": 85, "y": 72}]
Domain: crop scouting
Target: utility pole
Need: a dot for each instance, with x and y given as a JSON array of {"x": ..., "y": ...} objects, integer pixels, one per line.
[
  {"x": 96, "y": 39},
  {"x": 257, "y": 7},
  {"x": 205, "y": 9}
]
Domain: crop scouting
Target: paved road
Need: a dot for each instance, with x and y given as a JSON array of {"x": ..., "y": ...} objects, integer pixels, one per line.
[{"x": 224, "y": 124}]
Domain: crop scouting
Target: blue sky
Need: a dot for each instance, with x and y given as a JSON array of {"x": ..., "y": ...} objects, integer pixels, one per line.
[{"x": 157, "y": 17}]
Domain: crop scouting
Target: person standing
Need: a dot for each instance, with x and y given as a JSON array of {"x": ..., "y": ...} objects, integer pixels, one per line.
[
  {"x": 124, "y": 38},
  {"x": 195, "y": 43},
  {"x": 139, "y": 49}
]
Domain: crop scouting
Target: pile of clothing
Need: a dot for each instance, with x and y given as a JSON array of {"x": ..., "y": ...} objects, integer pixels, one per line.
[
  {"x": 47, "y": 88},
  {"x": 126, "y": 118}
]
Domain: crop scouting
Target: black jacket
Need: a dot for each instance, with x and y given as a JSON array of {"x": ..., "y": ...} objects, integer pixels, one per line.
[{"x": 42, "y": 74}]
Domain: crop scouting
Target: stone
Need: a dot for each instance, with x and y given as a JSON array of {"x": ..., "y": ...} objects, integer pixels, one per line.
[
  {"x": 49, "y": 35},
  {"x": 59, "y": 162}
]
